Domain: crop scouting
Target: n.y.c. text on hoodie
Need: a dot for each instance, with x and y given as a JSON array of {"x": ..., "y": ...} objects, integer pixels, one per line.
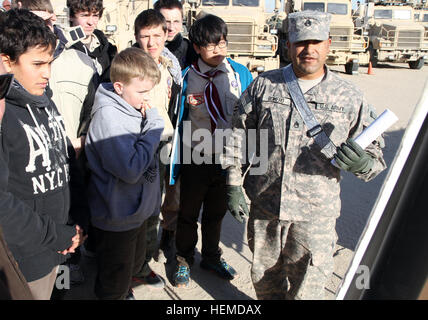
[{"x": 40, "y": 142}]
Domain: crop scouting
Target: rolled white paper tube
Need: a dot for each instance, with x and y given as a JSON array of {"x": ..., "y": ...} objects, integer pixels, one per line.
[{"x": 374, "y": 130}]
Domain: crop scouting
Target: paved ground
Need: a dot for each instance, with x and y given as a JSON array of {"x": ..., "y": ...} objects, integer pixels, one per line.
[{"x": 392, "y": 86}]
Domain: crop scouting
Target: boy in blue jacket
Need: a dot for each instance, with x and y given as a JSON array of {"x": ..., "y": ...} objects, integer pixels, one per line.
[
  {"x": 211, "y": 87},
  {"x": 121, "y": 147}
]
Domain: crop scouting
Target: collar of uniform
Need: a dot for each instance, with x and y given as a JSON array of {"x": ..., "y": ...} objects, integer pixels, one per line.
[
  {"x": 203, "y": 67},
  {"x": 317, "y": 93}
]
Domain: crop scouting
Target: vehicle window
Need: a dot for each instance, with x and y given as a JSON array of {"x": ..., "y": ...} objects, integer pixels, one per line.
[
  {"x": 215, "y": 2},
  {"x": 337, "y": 8},
  {"x": 314, "y": 6},
  {"x": 246, "y": 3},
  {"x": 383, "y": 14},
  {"x": 403, "y": 14}
]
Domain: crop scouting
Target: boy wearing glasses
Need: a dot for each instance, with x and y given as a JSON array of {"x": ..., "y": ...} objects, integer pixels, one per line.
[
  {"x": 211, "y": 87},
  {"x": 181, "y": 47}
]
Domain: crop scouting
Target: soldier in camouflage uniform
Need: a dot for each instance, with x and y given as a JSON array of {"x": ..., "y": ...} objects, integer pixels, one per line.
[{"x": 295, "y": 203}]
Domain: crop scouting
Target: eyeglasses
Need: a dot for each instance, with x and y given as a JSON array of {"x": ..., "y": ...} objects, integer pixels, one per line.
[
  {"x": 221, "y": 45},
  {"x": 175, "y": 22}
]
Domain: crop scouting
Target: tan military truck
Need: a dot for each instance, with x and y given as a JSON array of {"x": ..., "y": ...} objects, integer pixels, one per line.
[
  {"x": 420, "y": 10},
  {"x": 250, "y": 39},
  {"x": 61, "y": 12},
  {"x": 394, "y": 35},
  {"x": 348, "y": 43},
  {"x": 117, "y": 21},
  {"x": 118, "y": 18},
  {"x": 421, "y": 17}
]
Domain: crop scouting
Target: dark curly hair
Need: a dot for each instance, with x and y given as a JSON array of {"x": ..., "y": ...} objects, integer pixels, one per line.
[
  {"x": 21, "y": 30},
  {"x": 76, "y": 6}
]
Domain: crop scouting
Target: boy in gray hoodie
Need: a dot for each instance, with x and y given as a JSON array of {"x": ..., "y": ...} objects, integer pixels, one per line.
[{"x": 121, "y": 147}]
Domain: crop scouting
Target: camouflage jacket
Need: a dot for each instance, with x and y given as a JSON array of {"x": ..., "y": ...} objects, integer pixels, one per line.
[{"x": 300, "y": 182}]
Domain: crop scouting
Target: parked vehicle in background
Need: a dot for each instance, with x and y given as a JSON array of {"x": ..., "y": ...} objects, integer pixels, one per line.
[
  {"x": 421, "y": 17},
  {"x": 348, "y": 43},
  {"x": 118, "y": 18},
  {"x": 251, "y": 41},
  {"x": 394, "y": 34},
  {"x": 117, "y": 21}
]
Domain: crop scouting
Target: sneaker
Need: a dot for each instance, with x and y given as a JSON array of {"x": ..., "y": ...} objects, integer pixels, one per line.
[
  {"x": 76, "y": 274},
  {"x": 182, "y": 276},
  {"x": 152, "y": 280},
  {"x": 130, "y": 295},
  {"x": 221, "y": 268}
]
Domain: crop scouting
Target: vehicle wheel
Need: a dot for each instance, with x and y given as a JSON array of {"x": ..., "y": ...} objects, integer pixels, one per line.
[
  {"x": 373, "y": 56},
  {"x": 418, "y": 64},
  {"x": 349, "y": 68}
]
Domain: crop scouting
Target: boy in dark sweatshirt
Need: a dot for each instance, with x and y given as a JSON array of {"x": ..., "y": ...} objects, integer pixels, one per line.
[
  {"x": 37, "y": 153},
  {"x": 12, "y": 284},
  {"x": 121, "y": 147},
  {"x": 181, "y": 47}
]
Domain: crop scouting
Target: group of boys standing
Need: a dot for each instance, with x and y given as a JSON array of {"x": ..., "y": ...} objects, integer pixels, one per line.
[
  {"x": 125, "y": 104},
  {"x": 128, "y": 114}
]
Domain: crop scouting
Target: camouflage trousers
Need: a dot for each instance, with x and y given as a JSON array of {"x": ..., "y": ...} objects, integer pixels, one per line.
[{"x": 291, "y": 260}]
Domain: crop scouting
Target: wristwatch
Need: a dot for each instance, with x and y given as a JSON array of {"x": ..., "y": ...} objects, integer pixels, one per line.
[{"x": 5, "y": 82}]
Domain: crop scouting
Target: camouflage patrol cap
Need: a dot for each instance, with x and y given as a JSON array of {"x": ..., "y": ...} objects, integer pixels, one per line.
[{"x": 308, "y": 25}]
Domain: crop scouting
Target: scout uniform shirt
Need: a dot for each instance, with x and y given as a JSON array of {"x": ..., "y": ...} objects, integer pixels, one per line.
[
  {"x": 160, "y": 96},
  {"x": 228, "y": 87}
]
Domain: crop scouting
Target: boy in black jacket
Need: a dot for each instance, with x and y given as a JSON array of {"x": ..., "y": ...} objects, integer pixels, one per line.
[
  {"x": 38, "y": 156},
  {"x": 12, "y": 282},
  {"x": 181, "y": 47}
]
